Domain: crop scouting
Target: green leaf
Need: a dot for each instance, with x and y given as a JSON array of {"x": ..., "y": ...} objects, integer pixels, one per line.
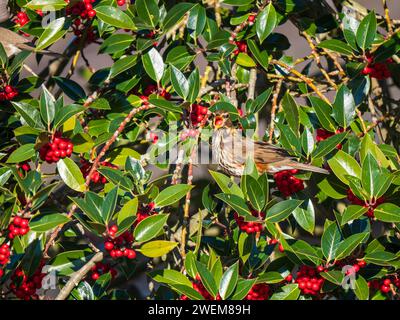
[
  {"x": 352, "y": 212},
  {"x": 171, "y": 195},
  {"x": 194, "y": 86},
  {"x": 347, "y": 246},
  {"x": 176, "y": 14},
  {"x": 114, "y": 17},
  {"x": 150, "y": 227},
  {"x": 334, "y": 276},
  {"x": 244, "y": 60},
  {"x": 270, "y": 277},
  {"x": 266, "y": 22},
  {"x": 245, "y": 246},
  {"x": 157, "y": 248},
  {"x": 307, "y": 141},
  {"x": 229, "y": 281},
  {"x": 387, "y": 212},
  {"x": 40, "y": 4},
  {"x": 290, "y": 108},
  {"x": 25, "y": 152},
  {"x": 187, "y": 291},
  {"x": 242, "y": 289},
  {"x": 226, "y": 184},
  {"x": 148, "y": 12},
  {"x": 47, "y": 106},
  {"x": 66, "y": 263},
  {"x": 289, "y": 292},
  {"x": 370, "y": 174},
  {"x": 116, "y": 43},
  {"x": 369, "y": 146},
  {"x": 366, "y": 31},
  {"x": 323, "y": 111},
  {"x": 255, "y": 193},
  {"x": 326, "y": 146},
  {"x": 330, "y": 241},
  {"x": 305, "y": 216},
  {"x": 72, "y": 89},
  {"x": 169, "y": 276},
  {"x": 343, "y": 164},
  {"x": 238, "y": 205},
  {"x": 361, "y": 289},
  {"x": 196, "y": 21},
  {"x": 153, "y": 64},
  {"x": 336, "y": 46},
  {"x": 380, "y": 258},
  {"x": 53, "y": 32},
  {"x": 3, "y": 56},
  {"x": 238, "y": 3},
  {"x": 281, "y": 210},
  {"x": 71, "y": 174},
  {"x": 122, "y": 65},
  {"x": 260, "y": 56},
  {"x": 344, "y": 107},
  {"x": 65, "y": 113},
  {"x": 109, "y": 205},
  {"x": 29, "y": 113},
  {"x": 46, "y": 222},
  {"x": 179, "y": 82},
  {"x": 126, "y": 216},
  {"x": 207, "y": 279}
]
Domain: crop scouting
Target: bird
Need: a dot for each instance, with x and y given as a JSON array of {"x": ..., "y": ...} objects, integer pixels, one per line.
[
  {"x": 231, "y": 150},
  {"x": 14, "y": 43}
]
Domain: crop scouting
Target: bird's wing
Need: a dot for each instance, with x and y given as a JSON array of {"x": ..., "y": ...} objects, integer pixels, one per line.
[{"x": 12, "y": 37}]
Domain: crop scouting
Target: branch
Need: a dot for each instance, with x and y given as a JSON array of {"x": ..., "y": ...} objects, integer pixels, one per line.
[{"x": 78, "y": 276}]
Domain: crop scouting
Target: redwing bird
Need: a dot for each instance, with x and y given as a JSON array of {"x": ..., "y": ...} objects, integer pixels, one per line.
[
  {"x": 231, "y": 151},
  {"x": 14, "y": 43}
]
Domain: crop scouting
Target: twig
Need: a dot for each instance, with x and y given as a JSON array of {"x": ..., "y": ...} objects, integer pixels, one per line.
[
  {"x": 78, "y": 276},
  {"x": 186, "y": 211},
  {"x": 307, "y": 80},
  {"x": 387, "y": 17},
  {"x": 273, "y": 109}
]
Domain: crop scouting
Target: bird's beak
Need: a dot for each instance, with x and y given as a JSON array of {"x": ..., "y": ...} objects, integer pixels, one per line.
[{"x": 218, "y": 122}]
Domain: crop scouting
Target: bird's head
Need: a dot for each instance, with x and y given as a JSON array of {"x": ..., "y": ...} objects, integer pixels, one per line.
[{"x": 221, "y": 120}]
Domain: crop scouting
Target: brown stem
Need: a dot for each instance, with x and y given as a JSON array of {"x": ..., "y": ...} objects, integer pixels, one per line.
[{"x": 78, "y": 276}]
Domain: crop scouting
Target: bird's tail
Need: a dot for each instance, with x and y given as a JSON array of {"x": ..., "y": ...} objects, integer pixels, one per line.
[{"x": 308, "y": 167}]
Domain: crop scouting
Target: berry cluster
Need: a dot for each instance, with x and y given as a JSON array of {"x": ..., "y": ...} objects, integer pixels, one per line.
[
  {"x": 309, "y": 280},
  {"x": 57, "y": 149},
  {"x": 274, "y": 242},
  {"x": 18, "y": 227},
  {"x": 145, "y": 212},
  {"x": 23, "y": 168},
  {"x": 102, "y": 268},
  {"x": 385, "y": 285},
  {"x": 153, "y": 89},
  {"x": 121, "y": 2},
  {"x": 323, "y": 134},
  {"x": 259, "y": 291},
  {"x": 96, "y": 176},
  {"x": 25, "y": 287},
  {"x": 8, "y": 93},
  {"x": 82, "y": 9},
  {"x": 241, "y": 47},
  {"x": 190, "y": 133},
  {"x": 250, "y": 227},
  {"x": 198, "y": 112},
  {"x": 21, "y": 19},
  {"x": 5, "y": 253},
  {"x": 199, "y": 287},
  {"x": 378, "y": 70},
  {"x": 119, "y": 246},
  {"x": 370, "y": 204},
  {"x": 287, "y": 183}
]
